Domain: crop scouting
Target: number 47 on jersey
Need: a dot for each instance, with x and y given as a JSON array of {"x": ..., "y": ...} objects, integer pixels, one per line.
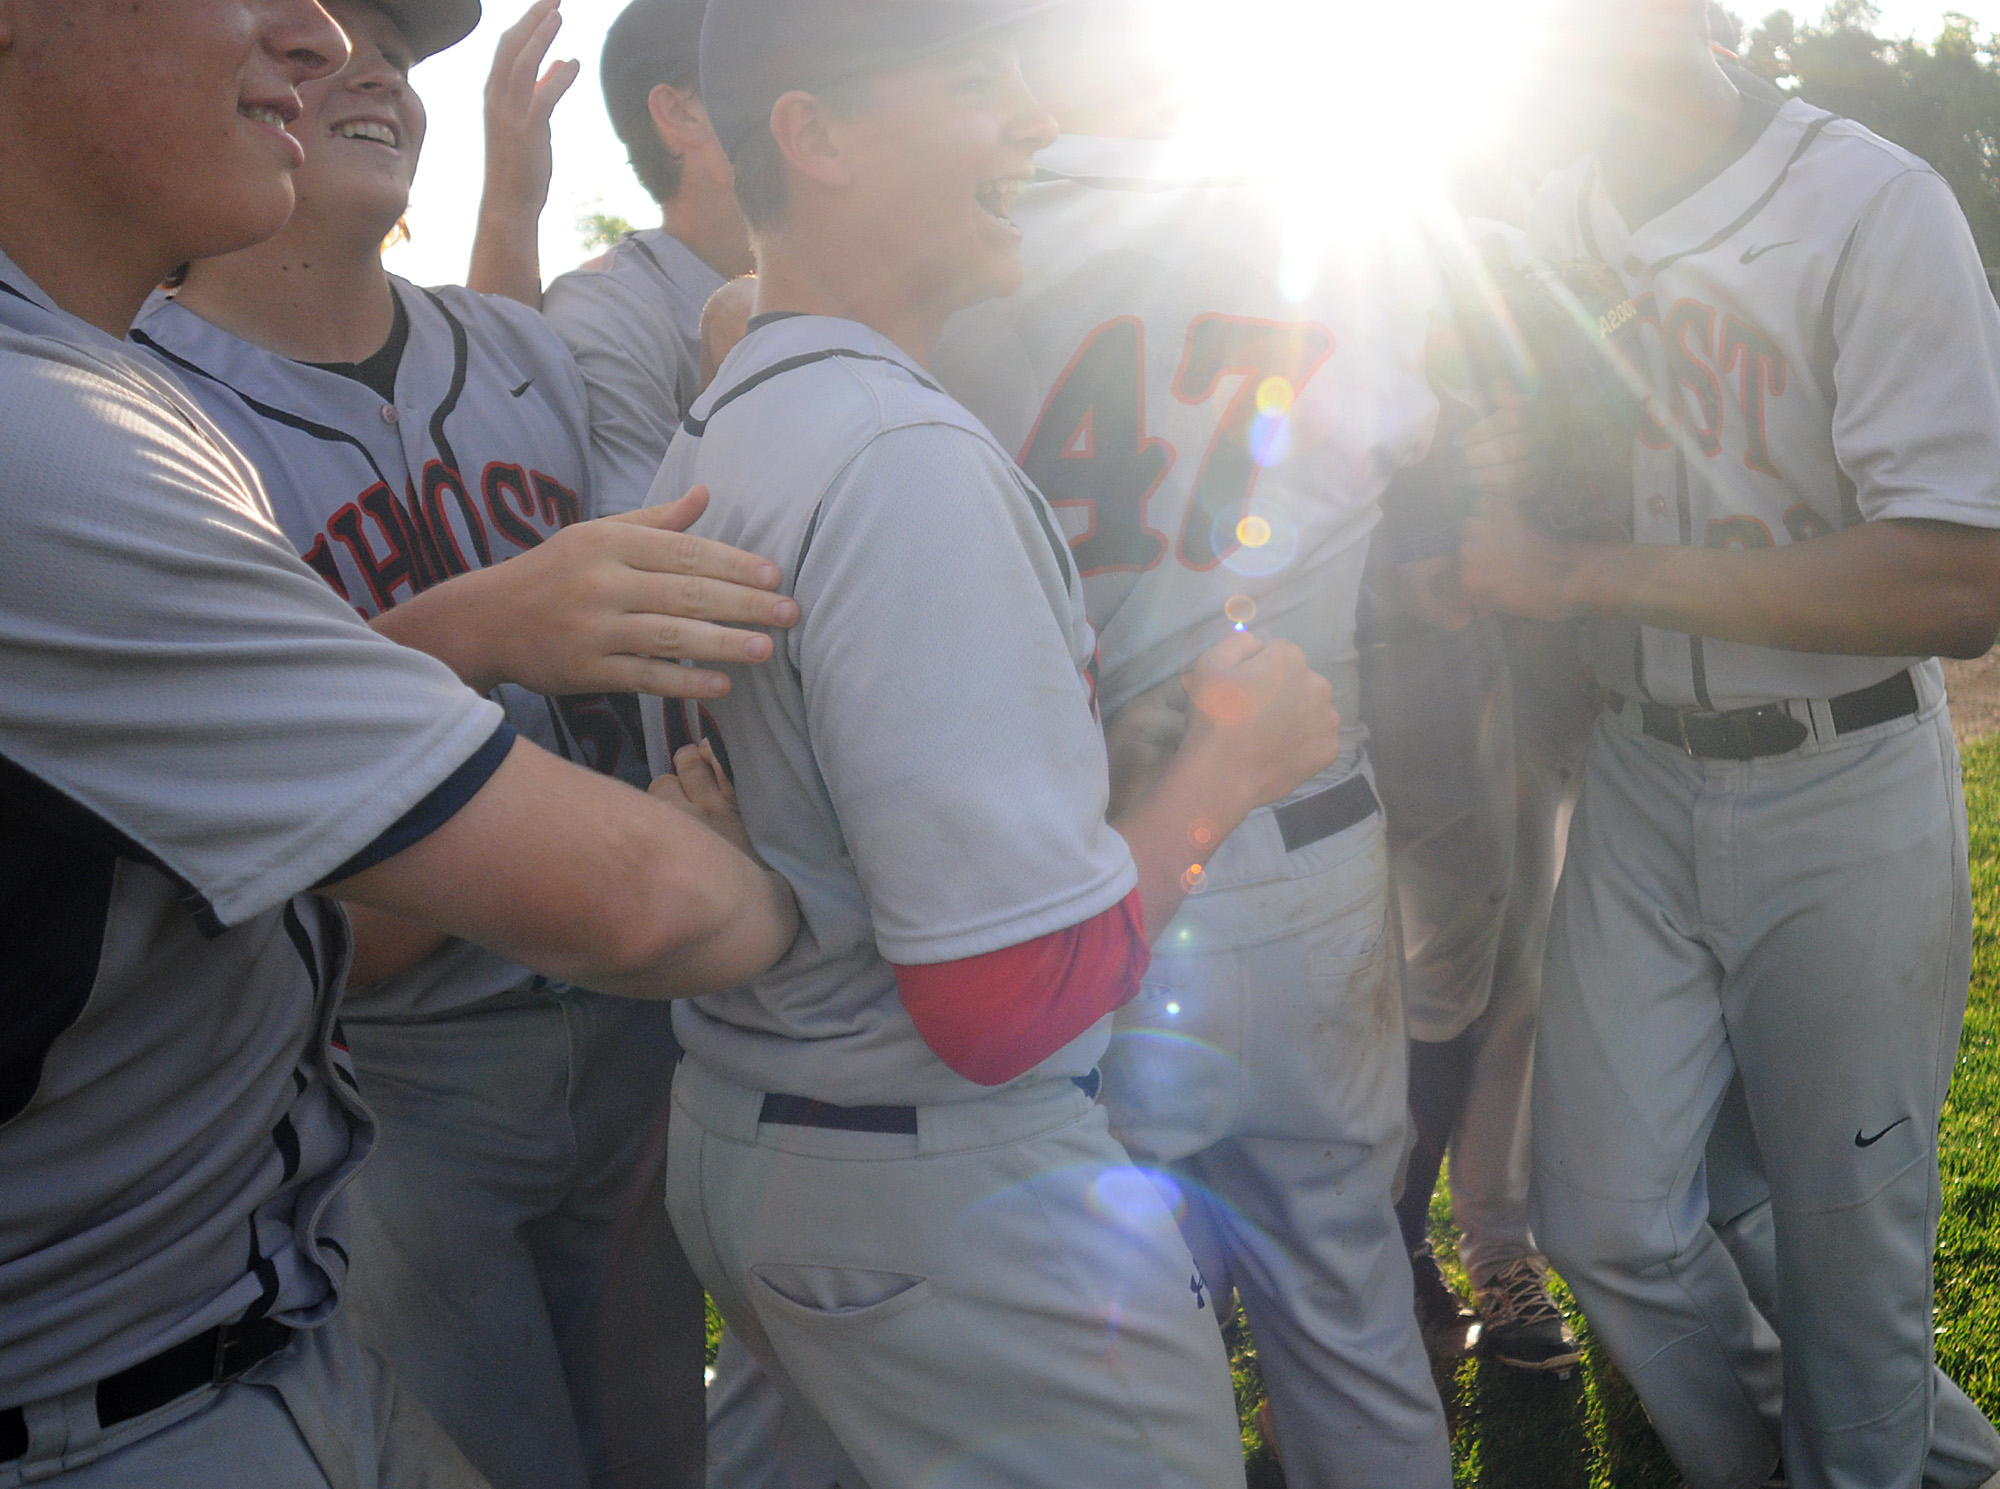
[{"x": 1089, "y": 447}]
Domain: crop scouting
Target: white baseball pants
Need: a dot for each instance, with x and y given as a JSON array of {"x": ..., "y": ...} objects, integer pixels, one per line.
[
  {"x": 1802, "y": 922},
  {"x": 1000, "y": 1300},
  {"x": 1264, "y": 1063}
]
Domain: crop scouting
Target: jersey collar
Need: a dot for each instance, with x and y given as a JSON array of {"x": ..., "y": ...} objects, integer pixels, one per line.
[
  {"x": 1713, "y": 208},
  {"x": 784, "y": 338}
]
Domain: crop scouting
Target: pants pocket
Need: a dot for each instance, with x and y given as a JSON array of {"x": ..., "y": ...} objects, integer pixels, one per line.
[{"x": 848, "y": 1296}]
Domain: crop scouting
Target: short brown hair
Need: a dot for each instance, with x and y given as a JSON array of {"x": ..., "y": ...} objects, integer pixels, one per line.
[{"x": 760, "y": 169}]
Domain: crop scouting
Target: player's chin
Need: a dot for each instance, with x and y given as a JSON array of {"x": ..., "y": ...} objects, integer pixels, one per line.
[{"x": 228, "y": 221}]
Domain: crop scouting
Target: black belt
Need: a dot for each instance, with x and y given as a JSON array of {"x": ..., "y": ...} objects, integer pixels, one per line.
[
  {"x": 803, "y": 1111},
  {"x": 1753, "y": 733},
  {"x": 209, "y": 1359},
  {"x": 1325, "y": 813}
]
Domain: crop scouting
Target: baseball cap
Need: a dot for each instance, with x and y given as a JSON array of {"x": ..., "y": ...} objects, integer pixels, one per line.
[
  {"x": 431, "y": 25},
  {"x": 753, "y": 52},
  {"x": 651, "y": 42}
]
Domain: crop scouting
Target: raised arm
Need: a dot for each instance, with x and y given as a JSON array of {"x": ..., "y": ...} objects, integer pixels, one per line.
[{"x": 519, "y": 160}]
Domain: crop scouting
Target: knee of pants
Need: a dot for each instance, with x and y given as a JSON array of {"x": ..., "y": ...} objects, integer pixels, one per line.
[{"x": 1586, "y": 1235}]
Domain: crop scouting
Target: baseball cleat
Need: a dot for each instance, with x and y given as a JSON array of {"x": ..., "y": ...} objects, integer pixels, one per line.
[
  {"x": 1443, "y": 1320},
  {"x": 1520, "y": 1325}
]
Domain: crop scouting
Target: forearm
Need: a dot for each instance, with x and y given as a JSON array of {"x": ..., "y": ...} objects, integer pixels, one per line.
[
  {"x": 1173, "y": 832},
  {"x": 588, "y": 881},
  {"x": 1877, "y": 589},
  {"x": 449, "y": 621},
  {"x": 506, "y": 258}
]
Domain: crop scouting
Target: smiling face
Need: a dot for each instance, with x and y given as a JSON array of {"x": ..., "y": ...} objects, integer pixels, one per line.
[
  {"x": 362, "y": 129},
  {"x": 167, "y": 118},
  {"x": 936, "y": 157}
]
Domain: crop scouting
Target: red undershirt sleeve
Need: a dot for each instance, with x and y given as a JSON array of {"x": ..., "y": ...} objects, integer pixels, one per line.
[{"x": 998, "y": 1015}]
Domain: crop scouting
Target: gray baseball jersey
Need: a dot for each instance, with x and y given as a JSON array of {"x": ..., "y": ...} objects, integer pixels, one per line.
[
  {"x": 633, "y": 322},
  {"x": 921, "y": 760},
  {"x": 1212, "y": 436},
  {"x": 194, "y": 731},
  {"x": 1798, "y": 383},
  {"x": 481, "y": 455}
]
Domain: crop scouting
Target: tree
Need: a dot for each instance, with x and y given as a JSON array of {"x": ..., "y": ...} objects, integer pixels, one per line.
[
  {"x": 601, "y": 229},
  {"x": 1941, "y": 101}
]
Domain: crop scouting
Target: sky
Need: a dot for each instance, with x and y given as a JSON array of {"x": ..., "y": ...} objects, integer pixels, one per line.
[{"x": 591, "y": 174}]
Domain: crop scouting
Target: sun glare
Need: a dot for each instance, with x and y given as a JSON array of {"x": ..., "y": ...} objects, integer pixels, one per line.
[{"x": 1342, "y": 99}]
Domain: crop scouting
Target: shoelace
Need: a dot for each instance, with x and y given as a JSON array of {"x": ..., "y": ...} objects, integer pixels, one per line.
[{"x": 1517, "y": 1296}]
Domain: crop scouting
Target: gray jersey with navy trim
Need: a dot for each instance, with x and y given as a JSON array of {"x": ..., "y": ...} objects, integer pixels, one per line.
[
  {"x": 633, "y": 322},
  {"x": 1822, "y": 350},
  {"x": 921, "y": 760},
  {"x": 482, "y": 455},
  {"x": 193, "y": 731}
]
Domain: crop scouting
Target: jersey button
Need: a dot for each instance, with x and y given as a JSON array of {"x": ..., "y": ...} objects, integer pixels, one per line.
[
  {"x": 1657, "y": 506},
  {"x": 389, "y": 414}
]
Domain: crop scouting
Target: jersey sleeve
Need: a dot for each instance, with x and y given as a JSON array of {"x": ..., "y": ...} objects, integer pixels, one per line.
[
  {"x": 630, "y": 381},
  {"x": 175, "y": 674},
  {"x": 1916, "y": 365},
  {"x": 944, "y": 702}
]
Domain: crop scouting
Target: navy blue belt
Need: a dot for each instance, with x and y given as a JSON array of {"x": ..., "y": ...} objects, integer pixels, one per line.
[
  {"x": 803, "y": 1111},
  {"x": 211, "y": 1358},
  {"x": 1768, "y": 729},
  {"x": 1325, "y": 813}
]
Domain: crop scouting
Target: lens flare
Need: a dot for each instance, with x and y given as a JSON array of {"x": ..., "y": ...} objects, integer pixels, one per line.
[
  {"x": 1195, "y": 880},
  {"x": 1146, "y": 1202},
  {"x": 1240, "y": 608},
  {"x": 1274, "y": 397},
  {"x": 1253, "y": 532},
  {"x": 1201, "y": 833}
]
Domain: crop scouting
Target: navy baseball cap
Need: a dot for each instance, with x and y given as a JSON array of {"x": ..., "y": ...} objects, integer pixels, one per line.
[
  {"x": 753, "y": 52},
  {"x": 431, "y": 25}
]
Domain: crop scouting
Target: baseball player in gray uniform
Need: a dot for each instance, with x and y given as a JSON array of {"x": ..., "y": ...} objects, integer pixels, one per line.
[
  {"x": 513, "y": 1260},
  {"x": 194, "y": 733},
  {"x": 885, "y": 1156},
  {"x": 1214, "y": 447},
  {"x": 1766, "y": 879},
  {"x": 633, "y": 317}
]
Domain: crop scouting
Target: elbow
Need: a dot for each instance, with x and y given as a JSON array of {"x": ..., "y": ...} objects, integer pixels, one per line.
[{"x": 662, "y": 912}]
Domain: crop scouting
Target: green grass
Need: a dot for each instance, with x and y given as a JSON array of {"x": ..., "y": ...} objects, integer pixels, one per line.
[{"x": 1511, "y": 1431}]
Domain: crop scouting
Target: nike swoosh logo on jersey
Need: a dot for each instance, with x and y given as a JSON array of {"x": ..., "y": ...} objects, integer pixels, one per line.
[
  {"x": 517, "y": 392},
  {"x": 1869, "y": 1142},
  {"x": 1751, "y": 255}
]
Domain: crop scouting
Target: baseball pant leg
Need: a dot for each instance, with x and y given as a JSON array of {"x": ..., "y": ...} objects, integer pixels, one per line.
[
  {"x": 626, "y": 1309},
  {"x": 1632, "y": 1060},
  {"x": 1491, "y": 1147},
  {"x": 760, "y": 1439},
  {"x": 323, "y": 1413},
  {"x": 1000, "y": 1300},
  {"x": 1962, "y": 1453},
  {"x": 476, "y": 1147},
  {"x": 1273, "y": 1005},
  {"x": 1844, "y": 1006}
]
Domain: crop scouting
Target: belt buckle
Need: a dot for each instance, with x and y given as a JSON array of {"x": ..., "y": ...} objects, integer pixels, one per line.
[{"x": 1681, "y": 723}]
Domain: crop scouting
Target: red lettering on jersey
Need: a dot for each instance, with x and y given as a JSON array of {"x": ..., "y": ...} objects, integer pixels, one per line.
[
  {"x": 441, "y": 481},
  {"x": 319, "y": 558},
  {"x": 1741, "y": 533},
  {"x": 1762, "y": 369},
  {"x": 384, "y": 573},
  {"x": 1101, "y": 397},
  {"x": 510, "y": 503},
  {"x": 559, "y": 505},
  {"x": 1220, "y": 346},
  {"x": 1692, "y": 367}
]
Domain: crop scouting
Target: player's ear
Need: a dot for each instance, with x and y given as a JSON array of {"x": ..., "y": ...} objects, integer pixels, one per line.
[
  {"x": 678, "y": 117},
  {"x": 801, "y": 125}
]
